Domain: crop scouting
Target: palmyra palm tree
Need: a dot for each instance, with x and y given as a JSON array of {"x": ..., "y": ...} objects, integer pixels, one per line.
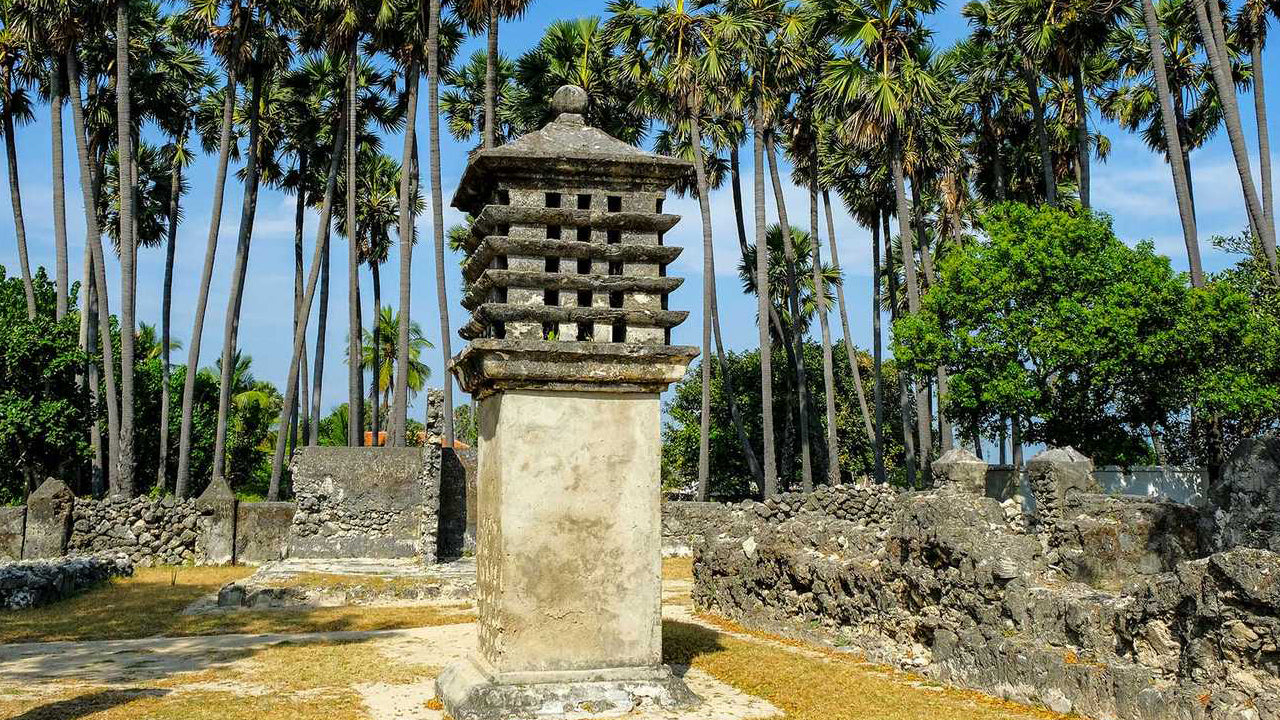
[
  {"x": 380, "y": 341},
  {"x": 487, "y": 14}
]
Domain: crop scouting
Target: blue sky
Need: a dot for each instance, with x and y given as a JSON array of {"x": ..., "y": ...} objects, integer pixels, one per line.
[{"x": 1134, "y": 185}]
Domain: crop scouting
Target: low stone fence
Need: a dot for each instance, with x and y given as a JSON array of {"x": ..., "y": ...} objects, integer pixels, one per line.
[
  {"x": 147, "y": 531},
  {"x": 36, "y": 582},
  {"x": 1110, "y": 607}
]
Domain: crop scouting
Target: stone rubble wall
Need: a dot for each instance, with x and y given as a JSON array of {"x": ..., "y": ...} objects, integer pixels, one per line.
[
  {"x": 148, "y": 531},
  {"x": 365, "y": 502},
  {"x": 262, "y": 531},
  {"x": 686, "y": 523},
  {"x": 1247, "y": 501},
  {"x": 36, "y": 582},
  {"x": 868, "y": 504},
  {"x": 954, "y": 586}
]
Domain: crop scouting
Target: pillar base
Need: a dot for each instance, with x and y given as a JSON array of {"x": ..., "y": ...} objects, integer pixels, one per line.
[{"x": 470, "y": 693}]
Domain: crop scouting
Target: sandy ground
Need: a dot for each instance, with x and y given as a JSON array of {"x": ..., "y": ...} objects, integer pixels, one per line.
[{"x": 135, "y": 662}]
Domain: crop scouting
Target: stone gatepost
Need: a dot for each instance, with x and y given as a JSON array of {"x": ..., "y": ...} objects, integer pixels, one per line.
[
  {"x": 49, "y": 511},
  {"x": 569, "y": 350},
  {"x": 961, "y": 470},
  {"x": 1053, "y": 475}
]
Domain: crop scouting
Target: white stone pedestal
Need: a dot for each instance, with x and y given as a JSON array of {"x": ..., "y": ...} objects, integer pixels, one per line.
[{"x": 569, "y": 560}]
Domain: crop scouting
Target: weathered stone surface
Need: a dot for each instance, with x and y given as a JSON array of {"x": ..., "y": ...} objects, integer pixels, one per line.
[
  {"x": 1106, "y": 540},
  {"x": 686, "y": 524},
  {"x": 147, "y": 531},
  {"x": 450, "y": 541},
  {"x": 1053, "y": 475},
  {"x": 488, "y": 365},
  {"x": 262, "y": 531},
  {"x": 1247, "y": 499},
  {"x": 36, "y": 582},
  {"x": 960, "y": 468},
  {"x": 473, "y": 696},
  {"x": 48, "y": 520},
  {"x": 955, "y": 590},
  {"x": 364, "y": 502},
  {"x": 13, "y": 521},
  {"x": 217, "y": 524}
]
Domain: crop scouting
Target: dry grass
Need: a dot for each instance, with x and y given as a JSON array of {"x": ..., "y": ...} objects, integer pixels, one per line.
[
  {"x": 150, "y": 604},
  {"x": 817, "y": 684},
  {"x": 677, "y": 568},
  {"x": 300, "y": 681}
]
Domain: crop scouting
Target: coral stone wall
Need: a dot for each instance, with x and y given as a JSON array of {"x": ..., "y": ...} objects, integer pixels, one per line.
[
  {"x": 147, "y": 531},
  {"x": 954, "y": 587},
  {"x": 36, "y": 582}
]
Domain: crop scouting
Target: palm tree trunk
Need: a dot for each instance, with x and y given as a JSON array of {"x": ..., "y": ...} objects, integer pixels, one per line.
[
  {"x": 905, "y": 239},
  {"x": 437, "y": 208},
  {"x": 297, "y": 359},
  {"x": 726, "y": 377},
  {"x": 793, "y": 300},
  {"x": 1264, "y": 133},
  {"x": 15, "y": 196},
  {"x": 123, "y": 482},
  {"x": 375, "y": 327},
  {"x": 904, "y": 394},
  {"x": 844, "y": 318},
  {"x": 166, "y": 312},
  {"x": 59, "y": 192},
  {"x": 1214, "y": 48},
  {"x": 764, "y": 304},
  {"x": 101, "y": 298},
  {"x": 1015, "y": 440},
  {"x": 876, "y": 342},
  {"x": 735, "y": 174},
  {"x": 828, "y": 370},
  {"x": 183, "y": 482},
  {"x": 708, "y": 302},
  {"x": 322, "y": 323},
  {"x": 303, "y": 408},
  {"x": 235, "y": 298},
  {"x": 491, "y": 81},
  {"x": 1173, "y": 143},
  {"x": 355, "y": 389},
  {"x": 1032, "y": 79},
  {"x": 408, "y": 168},
  {"x": 89, "y": 340},
  {"x": 946, "y": 437},
  {"x": 299, "y": 225},
  {"x": 1082, "y": 133}
]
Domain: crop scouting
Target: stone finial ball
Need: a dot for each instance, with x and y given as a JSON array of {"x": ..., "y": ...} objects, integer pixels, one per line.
[{"x": 570, "y": 99}]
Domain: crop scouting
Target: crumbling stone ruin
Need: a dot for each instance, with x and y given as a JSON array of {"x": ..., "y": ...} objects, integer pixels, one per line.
[
  {"x": 36, "y": 582},
  {"x": 1110, "y": 607}
]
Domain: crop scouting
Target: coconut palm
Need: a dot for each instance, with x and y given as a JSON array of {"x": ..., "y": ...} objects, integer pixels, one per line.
[
  {"x": 437, "y": 205},
  {"x": 381, "y": 341},
  {"x": 229, "y": 45},
  {"x": 673, "y": 52},
  {"x": 1157, "y": 73},
  {"x": 487, "y": 14},
  {"x": 16, "y": 109},
  {"x": 1252, "y": 24},
  {"x": 1213, "y": 35},
  {"x": 872, "y": 100}
]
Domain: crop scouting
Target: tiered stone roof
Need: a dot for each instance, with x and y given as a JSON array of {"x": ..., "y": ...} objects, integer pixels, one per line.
[{"x": 566, "y": 268}]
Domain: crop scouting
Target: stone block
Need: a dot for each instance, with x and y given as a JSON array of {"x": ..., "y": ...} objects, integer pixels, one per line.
[
  {"x": 13, "y": 522},
  {"x": 1247, "y": 498},
  {"x": 371, "y": 502},
  {"x": 1053, "y": 475},
  {"x": 262, "y": 531},
  {"x": 217, "y": 536},
  {"x": 960, "y": 469},
  {"x": 49, "y": 511}
]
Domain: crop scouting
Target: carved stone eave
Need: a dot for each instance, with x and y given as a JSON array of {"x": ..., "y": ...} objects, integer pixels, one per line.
[{"x": 489, "y": 365}]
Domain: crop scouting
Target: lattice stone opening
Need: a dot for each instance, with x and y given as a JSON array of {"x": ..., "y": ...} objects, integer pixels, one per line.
[
  {"x": 619, "y": 332},
  {"x": 584, "y": 234},
  {"x": 584, "y": 266},
  {"x": 553, "y": 232},
  {"x": 615, "y": 299},
  {"x": 615, "y": 267},
  {"x": 584, "y": 298},
  {"x": 552, "y": 264},
  {"x": 586, "y": 331},
  {"x": 553, "y": 200},
  {"x": 615, "y": 237},
  {"x": 584, "y": 201},
  {"x": 551, "y": 298},
  {"x": 615, "y": 203}
]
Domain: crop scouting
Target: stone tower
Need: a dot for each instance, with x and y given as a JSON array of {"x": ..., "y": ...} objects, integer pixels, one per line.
[{"x": 569, "y": 350}]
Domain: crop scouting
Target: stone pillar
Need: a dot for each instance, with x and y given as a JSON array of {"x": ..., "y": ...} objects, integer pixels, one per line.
[
  {"x": 569, "y": 352},
  {"x": 216, "y": 544},
  {"x": 13, "y": 527},
  {"x": 961, "y": 470},
  {"x": 1055, "y": 474},
  {"x": 49, "y": 511}
]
